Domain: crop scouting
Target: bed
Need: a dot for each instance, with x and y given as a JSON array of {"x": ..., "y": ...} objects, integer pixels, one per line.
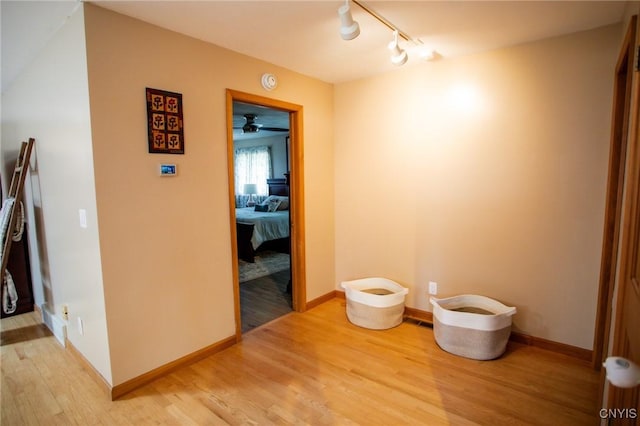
[{"x": 262, "y": 230}]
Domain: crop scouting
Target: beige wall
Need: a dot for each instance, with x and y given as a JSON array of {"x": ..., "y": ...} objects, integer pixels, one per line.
[
  {"x": 485, "y": 174},
  {"x": 165, "y": 242},
  {"x": 50, "y": 102}
]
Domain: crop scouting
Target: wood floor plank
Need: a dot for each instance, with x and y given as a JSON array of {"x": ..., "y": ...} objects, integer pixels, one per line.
[
  {"x": 313, "y": 368},
  {"x": 264, "y": 299}
]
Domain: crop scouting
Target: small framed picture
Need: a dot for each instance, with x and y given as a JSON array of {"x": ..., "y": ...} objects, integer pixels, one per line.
[{"x": 165, "y": 122}]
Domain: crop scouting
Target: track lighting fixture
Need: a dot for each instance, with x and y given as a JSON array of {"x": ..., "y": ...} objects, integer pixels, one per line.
[
  {"x": 349, "y": 29},
  {"x": 398, "y": 56}
]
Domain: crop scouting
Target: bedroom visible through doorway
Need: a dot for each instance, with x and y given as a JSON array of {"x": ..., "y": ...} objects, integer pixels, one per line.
[
  {"x": 261, "y": 170},
  {"x": 262, "y": 146}
]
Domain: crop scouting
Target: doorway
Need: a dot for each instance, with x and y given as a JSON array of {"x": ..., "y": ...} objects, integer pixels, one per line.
[
  {"x": 250, "y": 239},
  {"x": 614, "y": 197},
  {"x": 626, "y": 320},
  {"x": 622, "y": 249}
]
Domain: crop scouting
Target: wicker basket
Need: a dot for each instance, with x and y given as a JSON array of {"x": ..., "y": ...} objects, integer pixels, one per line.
[
  {"x": 375, "y": 303},
  {"x": 461, "y": 331}
]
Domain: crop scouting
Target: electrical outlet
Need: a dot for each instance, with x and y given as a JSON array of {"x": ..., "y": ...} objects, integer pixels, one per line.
[
  {"x": 80, "y": 326},
  {"x": 65, "y": 312},
  {"x": 433, "y": 287}
]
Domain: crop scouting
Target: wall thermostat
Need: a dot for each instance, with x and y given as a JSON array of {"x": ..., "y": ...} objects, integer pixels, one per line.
[
  {"x": 168, "y": 170},
  {"x": 269, "y": 81}
]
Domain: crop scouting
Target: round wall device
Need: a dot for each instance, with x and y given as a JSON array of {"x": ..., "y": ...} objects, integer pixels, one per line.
[{"x": 269, "y": 81}]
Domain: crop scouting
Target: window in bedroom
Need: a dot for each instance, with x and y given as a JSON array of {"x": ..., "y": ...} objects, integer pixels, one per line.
[{"x": 252, "y": 165}]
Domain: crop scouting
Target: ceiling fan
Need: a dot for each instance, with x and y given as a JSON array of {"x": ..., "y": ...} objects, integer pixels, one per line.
[{"x": 250, "y": 126}]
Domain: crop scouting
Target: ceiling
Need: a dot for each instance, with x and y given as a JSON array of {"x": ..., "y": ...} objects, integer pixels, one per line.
[
  {"x": 302, "y": 35},
  {"x": 265, "y": 118}
]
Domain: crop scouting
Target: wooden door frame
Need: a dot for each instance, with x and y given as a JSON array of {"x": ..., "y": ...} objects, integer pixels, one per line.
[
  {"x": 621, "y": 217},
  {"x": 615, "y": 185},
  {"x": 296, "y": 188},
  {"x": 631, "y": 222}
]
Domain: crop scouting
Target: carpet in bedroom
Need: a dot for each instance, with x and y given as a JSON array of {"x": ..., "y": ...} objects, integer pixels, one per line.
[{"x": 266, "y": 263}]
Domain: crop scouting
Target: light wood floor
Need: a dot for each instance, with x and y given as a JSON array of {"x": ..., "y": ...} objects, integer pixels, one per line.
[{"x": 311, "y": 368}]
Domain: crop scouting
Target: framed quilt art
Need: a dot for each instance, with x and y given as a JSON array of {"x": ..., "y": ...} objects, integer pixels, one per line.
[{"x": 164, "y": 121}]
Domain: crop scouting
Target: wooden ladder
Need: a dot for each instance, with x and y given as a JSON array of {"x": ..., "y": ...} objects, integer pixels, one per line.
[{"x": 15, "y": 192}]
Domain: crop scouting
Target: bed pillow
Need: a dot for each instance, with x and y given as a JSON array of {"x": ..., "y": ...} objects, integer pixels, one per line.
[
  {"x": 261, "y": 208},
  {"x": 284, "y": 201},
  {"x": 273, "y": 205}
]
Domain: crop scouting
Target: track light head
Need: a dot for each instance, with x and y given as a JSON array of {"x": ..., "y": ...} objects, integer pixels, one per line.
[
  {"x": 349, "y": 29},
  {"x": 398, "y": 56}
]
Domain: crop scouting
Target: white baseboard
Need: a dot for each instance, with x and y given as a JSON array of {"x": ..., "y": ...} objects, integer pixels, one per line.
[{"x": 57, "y": 326}]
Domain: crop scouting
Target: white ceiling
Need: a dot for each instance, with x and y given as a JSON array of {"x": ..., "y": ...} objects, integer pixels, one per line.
[{"x": 303, "y": 35}]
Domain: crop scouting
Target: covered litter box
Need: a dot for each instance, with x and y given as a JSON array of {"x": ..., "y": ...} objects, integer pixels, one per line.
[
  {"x": 472, "y": 326},
  {"x": 376, "y": 303}
]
